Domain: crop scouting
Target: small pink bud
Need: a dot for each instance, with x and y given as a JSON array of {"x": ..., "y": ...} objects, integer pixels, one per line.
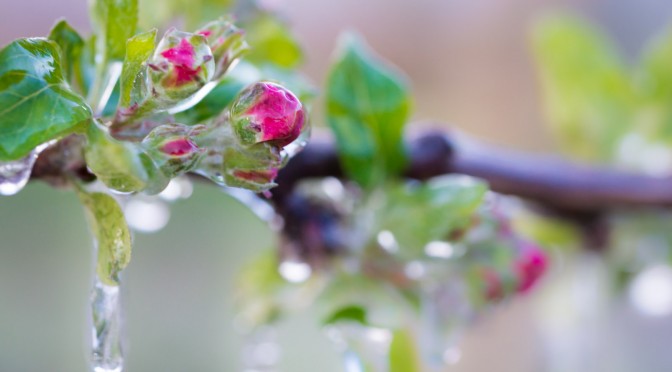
[
  {"x": 267, "y": 112},
  {"x": 172, "y": 150},
  {"x": 181, "y": 65},
  {"x": 179, "y": 147},
  {"x": 530, "y": 266}
]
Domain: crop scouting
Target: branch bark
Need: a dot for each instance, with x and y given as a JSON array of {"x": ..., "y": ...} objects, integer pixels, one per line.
[{"x": 550, "y": 181}]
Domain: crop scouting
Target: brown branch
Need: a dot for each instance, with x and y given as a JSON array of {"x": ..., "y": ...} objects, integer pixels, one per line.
[{"x": 550, "y": 181}]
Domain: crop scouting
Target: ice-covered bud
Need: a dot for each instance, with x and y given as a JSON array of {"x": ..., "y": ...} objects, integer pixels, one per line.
[
  {"x": 172, "y": 149},
  {"x": 181, "y": 65},
  {"x": 226, "y": 42},
  {"x": 254, "y": 168},
  {"x": 267, "y": 112},
  {"x": 530, "y": 266}
]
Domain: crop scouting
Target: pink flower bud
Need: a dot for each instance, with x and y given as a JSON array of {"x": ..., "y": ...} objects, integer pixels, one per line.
[
  {"x": 267, "y": 112},
  {"x": 182, "y": 64},
  {"x": 530, "y": 266},
  {"x": 172, "y": 150}
]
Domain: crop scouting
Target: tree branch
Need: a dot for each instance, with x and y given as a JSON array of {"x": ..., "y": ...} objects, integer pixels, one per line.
[{"x": 550, "y": 181}]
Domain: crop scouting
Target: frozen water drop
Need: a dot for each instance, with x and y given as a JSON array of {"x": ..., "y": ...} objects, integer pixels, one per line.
[
  {"x": 438, "y": 249},
  {"x": 387, "y": 241},
  {"x": 297, "y": 145},
  {"x": 106, "y": 353},
  {"x": 14, "y": 175},
  {"x": 261, "y": 208},
  {"x": 178, "y": 188},
  {"x": 651, "y": 291},
  {"x": 261, "y": 352},
  {"x": 148, "y": 215},
  {"x": 295, "y": 271}
]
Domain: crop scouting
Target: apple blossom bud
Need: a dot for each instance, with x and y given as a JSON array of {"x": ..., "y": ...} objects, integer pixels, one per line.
[
  {"x": 267, "y": 112},
  {"x": 530, "y": 266},
  {"x": 171, "y": 148},
  {"x": 181, "y": 65}
]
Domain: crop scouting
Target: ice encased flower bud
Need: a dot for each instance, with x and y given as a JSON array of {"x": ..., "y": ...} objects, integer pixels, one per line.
[
  {"x": 172, "y": 149},
  {"x": 267, "y": 112},
  {"x": 226, "y": 42},
  {"x": 530, "y": 266},
  {"x": 181, "y": 65}
]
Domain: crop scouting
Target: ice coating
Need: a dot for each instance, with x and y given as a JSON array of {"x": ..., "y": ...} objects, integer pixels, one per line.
[{"x": 179, "y": 147}]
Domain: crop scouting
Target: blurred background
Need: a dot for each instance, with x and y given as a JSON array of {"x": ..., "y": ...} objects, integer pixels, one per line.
[{"x": 470, "y": 66}]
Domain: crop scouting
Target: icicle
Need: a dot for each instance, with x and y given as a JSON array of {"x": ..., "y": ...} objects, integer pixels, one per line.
[
  {"x": 445, "y": 311},
  {"x": 14, "y": 175},
  {"x": 106, "y": 355},
  {"x": 261, "y": 352}
]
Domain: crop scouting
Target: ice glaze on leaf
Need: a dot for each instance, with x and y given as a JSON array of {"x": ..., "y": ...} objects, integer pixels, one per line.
[
  {"x": 115, "y": 22},
  {"x": 420, "y": 214},
  {"x": 138, "y": 50},
  {"x": 367, "y": 106},
  {"x": 107, "y": 223},
  {"x": 36, "y": 104}
]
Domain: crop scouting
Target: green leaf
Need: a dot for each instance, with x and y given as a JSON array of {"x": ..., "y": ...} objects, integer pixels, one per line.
[
  {"x": 367, "y": 107},
  {"x": 139, "y": 49},
  {"x": 71, "y": 45},
  {"x": 115, "y": 22},
  {"x": 113, "y": 239},
  {"x": 121, "y": 166},
  {"x": 654, "y": 83},
  {"x": 418, "y": 214},
  {"x": 155, "y": 13},
  {"x": 403, "y": 355},
  {"x": 352, "y": 313},
  {"x": 588, "y": 94},
  {"x": 272, "y": 42},
  {"x": 36, "y": 104}
]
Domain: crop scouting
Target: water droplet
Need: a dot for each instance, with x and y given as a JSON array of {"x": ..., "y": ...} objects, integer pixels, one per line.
[
  {"x": 261, "y": 352},
  {"x": 295, "y": 271},
  {"x": 387, "y": 241},
  {"x": 178, "y": 188},
  {"x": 147, "y": 215},
  {"x": 438, "y": 249},
  {"x": 297, "y": 145},
  {"x": 651, "y": 291},
  {"x": 415, "y": 270},
  {"x": 14, "y": 175},
  {"x": 106, "y": 353}
]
